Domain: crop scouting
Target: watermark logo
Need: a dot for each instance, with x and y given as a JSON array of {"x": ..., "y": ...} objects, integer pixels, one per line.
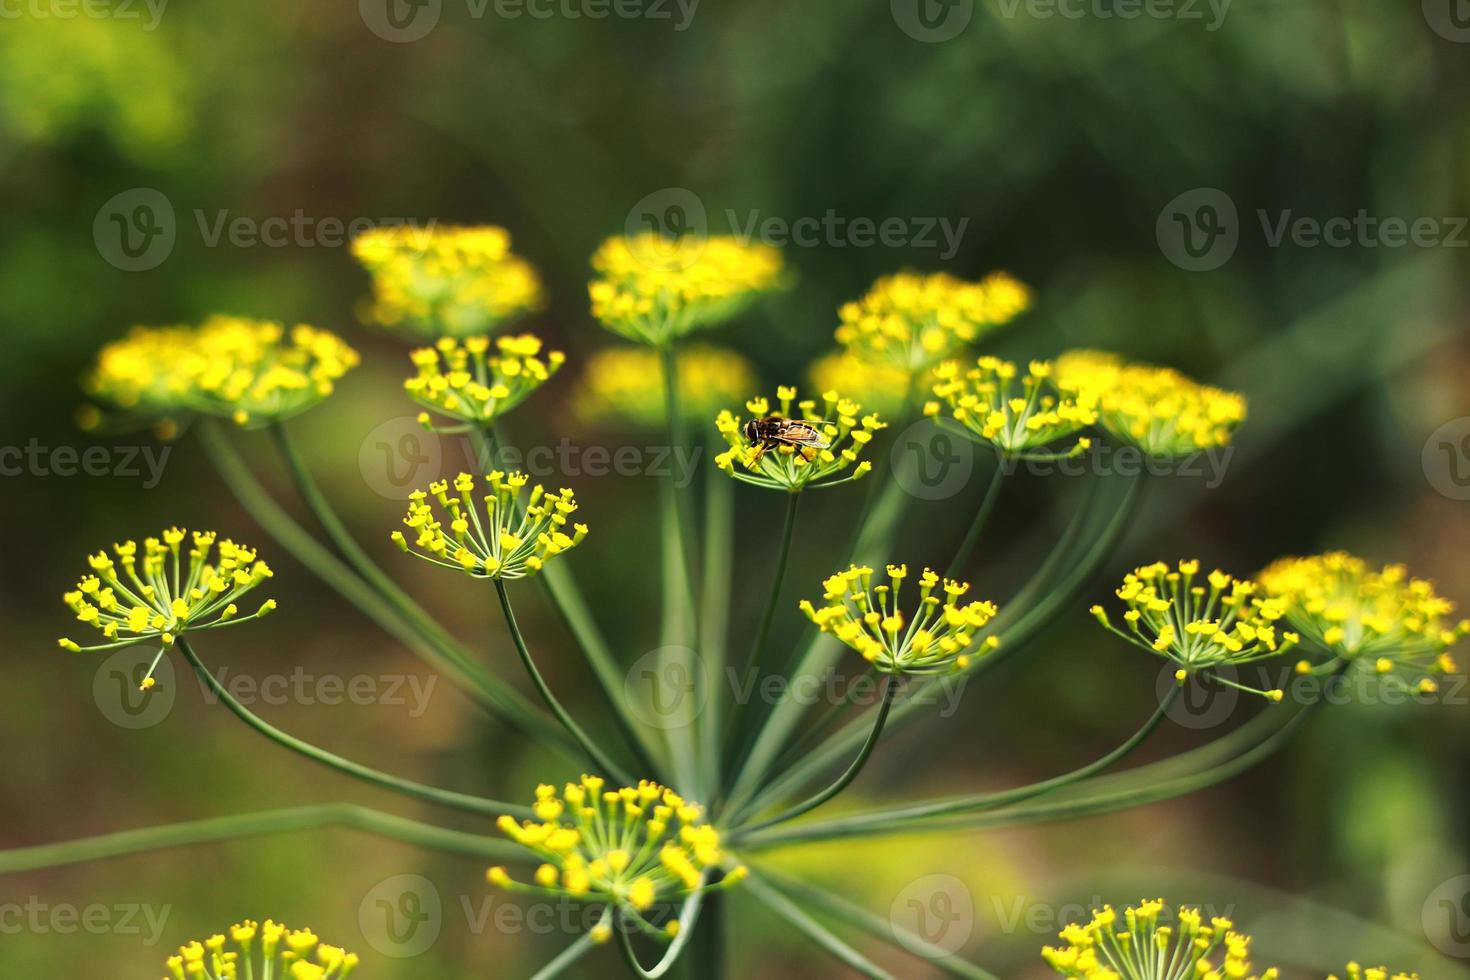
[
  {"x": 667, "y": 688},
  {"x": 1446, "y": 916},
  {"x": 1184, "y": 10},
  {"x": 116, "y": 694},
  {"x": 1198, "y": 230},
  {"x": 931, "y": 463},
  {"x": 932, "y": 21},
  {"x": 1446, "y": 459},
  {"x": 144, "y": 463},
  {"x": 1450, "y": 19},
  {"x": 400, "y": 21},
  {"x": 38, "y": 917},
  {"x": 398, "y": 457},
  {"x": 401, "y": 916},
  {"x": 676, "y": 219},
  {"x": 933, "y": 916},
  {"x": 135, "y": 230},
  {"x": 1202, "y": 703}
]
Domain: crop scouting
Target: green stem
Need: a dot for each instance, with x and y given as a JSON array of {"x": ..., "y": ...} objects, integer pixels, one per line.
[
  {"x": 961, "y": 558},
  {"x": 588, "y": 746},
  {"x": 688, "y": 918},
  {"x": 848, "y": 776},
  {"x": 714, "y": 620},
  {"x": 259, "y": 824},
  {"x": 794, "y": 915},
  {"x": 407, "y": 787},
  {"x": 572, "y": 953}
]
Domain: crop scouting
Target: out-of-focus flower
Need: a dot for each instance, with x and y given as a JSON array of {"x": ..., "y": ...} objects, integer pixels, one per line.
[
  {"x": 1157, "y": 409},
  {"x": 628, "y": 847},
  {"x": 941, "y": 637},
  {"x": 1136, "y": 945},
  {"x": 881, "y": 386},
  {"x": 163, "y": 596},
  {"x": 914, "y": 321},
  {"x": 1379, "y": 619},
  {"x": 465, "y": 381},
  {"x": 257, "y": 371},
  {"x": 621, "y": 384},
  {"x": 654, "y": 289},
  {"x": 259, "y": 950},
  {"x": 510, "y": 538},
  {"x": 148, "y": 373},
  {"x": 811, "y": 450},
  {"x": 1200, "y": 623},
  {"x": 1356, "y": 972},
  {"x": 1019, "y": 416},
  {"x": 446, "y": 280}
]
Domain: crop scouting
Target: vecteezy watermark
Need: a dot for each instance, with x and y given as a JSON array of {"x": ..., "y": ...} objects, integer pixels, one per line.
[
  {"x": 38, "y": 917},
  {"x": 1210, "y": 12},
  {"x": 404, "y": 21},
  {"x": 1202, "y": 704},
  {"x": 1446, "y": 916},
  {"x": 1446, "y": 458},
  {"x": 136, "y": 230},
  {"x": 931, "y": 463},
  {"x": 1450, "y": 19},
  {"x": 150, "y": 12},
  {"x": 933, "y": 916},
  {"x": 1107, "y": 459},
  {"x": 115, "y": 688},
  {"x": 1199, "y": 230},
  {"x": 124, "y": 462},
  {"x": 400, "y": 456},
  {"x": 401, "y": 916},
  {"x": 932, "y": 21}
]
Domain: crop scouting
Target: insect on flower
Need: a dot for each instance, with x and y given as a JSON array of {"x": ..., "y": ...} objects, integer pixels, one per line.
[{"x": 775, "y": 430}]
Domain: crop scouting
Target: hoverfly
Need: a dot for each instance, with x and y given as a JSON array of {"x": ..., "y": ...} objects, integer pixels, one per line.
[{"x": 774, "y": 431}]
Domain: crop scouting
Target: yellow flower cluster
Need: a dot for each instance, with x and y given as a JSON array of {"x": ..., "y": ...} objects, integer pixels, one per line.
[
  {"x": 914, "y": 321},
  {"x": 511, "y": 539},
  {"x": 291, "y": 954},
  {"x": 654, "y": 289},
  {"x": 1356, "y": 972},
  {"x": 1200, "y": 623},
  {"x": 621, "y": 384},
  {"x": 464, "y": 380},
  {"x": 445, "y": 280},
  {"x": 159, "y": 597},
  {"x": 836, "y": 435},
  {"x": 1018, "y": 416},
  {"x": 1156, "y": 409},
  {"x": 1380, "y": 619},
  {"x": 878, "y": 384},
  {"x": 254, "y": 371},
  {"x": 1138, "y": 945},
  {"x": 629, "y": 847},
  {"x": 941, "y": 637}
]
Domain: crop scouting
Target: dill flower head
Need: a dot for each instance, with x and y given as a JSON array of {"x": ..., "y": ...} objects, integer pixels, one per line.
[
  {"x": 914, "y": 321},
  {"x": 1162, "y": 412},
  {"x": 257, "y": 371},
  {"x": 1379, "y": 618},
  {"x": 162, "y": 596},
  {"x": 835, "y": 434},
  {"x": 629, "y": 847},
  {"x": 621, "y": 384},
  {"x": 1355, "y": 972},
  {"x": 1142, "y": 943},
  {"x": 446, "y": 280},
  {"x": 465, "y": 380},
  {"x": 253, "y": 949},
  {"x": 878, "y": 384},
  {"x": 1019, "y": 416},
  {"x": 940, "y": 638},
  {"x": 1200, "y": 622},
  {"x": 509, "y": 534},
  {"x": 144, "y": 373},
  {"x": 654, "y": 289}
]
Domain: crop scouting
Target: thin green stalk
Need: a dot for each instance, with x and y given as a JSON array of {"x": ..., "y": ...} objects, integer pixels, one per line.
[
  {"x": 714, "y": 619},
  {"x": 407, "y": 787},
  {"x": 688, "y": 918},
  {"x": 572, "y": 953},
  {"x": 882, "y": 927},
  {"x": 884, "y": 820},
  {"x": 848, "y": 776},
  {"x": 258, "y": 824},
  {"x": 487, "y": 690},
  {"x": 794, "y": 915},
  {"x": 590, "y": 747},
  {"x": 961, "y": 558}
]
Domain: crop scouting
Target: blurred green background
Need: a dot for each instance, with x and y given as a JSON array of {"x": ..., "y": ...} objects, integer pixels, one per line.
[{"x": 1062, "y": 140}]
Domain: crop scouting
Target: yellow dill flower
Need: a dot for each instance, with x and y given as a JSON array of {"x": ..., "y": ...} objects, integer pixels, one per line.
[
  {"x": 162, "y": 597},
  {"x": 629, "y": 847},
  {"x": 257, "y": 371},
  {"x": 464, "y": 380},
  {"x": 654, "y": 289},
  {"x": 508, "y": 538},
  {"x": 147, "y": 372},
  {"x": 1380, "y": 619},
  {"x": 1157, "y": 409},
  {"x": 446, "y": 280},
  {"x": 1149, "y": 942},
  {"x": 1200, "y": 622},
  {"x": 941, "y": 637},
  {"x": 1018, "y": 416},
  {"x": 252, "y": 949},
  {"x": 621, "y": 384},
  {"x": 914, "y": 321},
  {"x": 877, "y": 384},
  {"x": 836, "y": 434},
  {"x": 1356, "y": 972}
]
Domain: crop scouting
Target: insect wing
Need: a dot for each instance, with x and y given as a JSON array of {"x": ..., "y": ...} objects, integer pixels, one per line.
[{"x": 802, "y": 434}]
